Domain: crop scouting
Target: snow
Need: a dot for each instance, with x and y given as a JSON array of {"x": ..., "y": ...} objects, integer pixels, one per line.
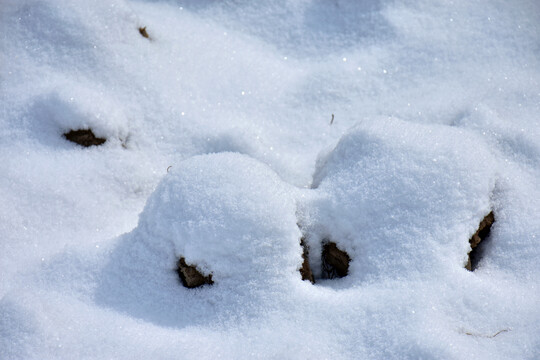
[
  {"x": 228, "y": 214},
  {"x": 220, "y": 150},
  {"x": 402, "y": 198}
]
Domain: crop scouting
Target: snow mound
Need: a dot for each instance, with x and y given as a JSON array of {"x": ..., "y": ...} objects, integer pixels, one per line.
[
  {"x": 402, "y": 198},
  {"x": 227, "y": 214},
  {"x": 230, "y": 215}
]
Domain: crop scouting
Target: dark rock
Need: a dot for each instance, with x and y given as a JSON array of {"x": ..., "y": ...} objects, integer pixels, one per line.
[
  {"x": 477, "y": 240},
  {"x": 142, "y": 31},
  {"x": 84, "y": 138},
  {"x": 335, "y": 262},
  {"x": 305, "y": 270},
  {"x": 190, "y": 276}
]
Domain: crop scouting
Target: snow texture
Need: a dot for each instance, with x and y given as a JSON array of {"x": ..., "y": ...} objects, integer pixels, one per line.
[
  {"x": 220, "y": 149},
  {"x": 401, "y": 198}
]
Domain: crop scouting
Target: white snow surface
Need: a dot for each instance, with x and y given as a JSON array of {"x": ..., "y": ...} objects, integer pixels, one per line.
[{"x": 220, "y": 149}]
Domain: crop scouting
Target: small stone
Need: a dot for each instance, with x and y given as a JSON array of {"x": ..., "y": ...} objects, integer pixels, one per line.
[
  {"x": 335, "y": 262},
  {"x": 84, "y": 138},
  {"x": 190, "y": 276},
  {"x": 142, "y": 31},
  {"x": 305, "y": 270},
  {"x": 476, "y": 240}
]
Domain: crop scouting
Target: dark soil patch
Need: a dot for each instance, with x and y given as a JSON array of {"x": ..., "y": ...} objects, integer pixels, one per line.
[
  {"x": 190, "y": 276},
  {"x": 335, "y": 262},
  {"x": 478, "y": 240},
  {"x": 305, "y": 270},
  {"x": 84, "y": 138}
]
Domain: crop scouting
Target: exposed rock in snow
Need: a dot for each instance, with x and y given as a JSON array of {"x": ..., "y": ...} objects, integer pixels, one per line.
[
  {"x": 190, "y": 276},
  {"x": 335, "y": 262},
  {"x": 305, "y": 270},
  {"x": 480, "y": 235},
  {"x": 143, "y": 32},
  {"x": 84, "y": 137}
]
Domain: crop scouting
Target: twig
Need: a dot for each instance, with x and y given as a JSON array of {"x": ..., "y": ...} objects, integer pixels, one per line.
[{"x": 486, "y": 336}]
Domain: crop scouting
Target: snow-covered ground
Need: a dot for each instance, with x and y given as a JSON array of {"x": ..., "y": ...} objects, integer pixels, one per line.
[{"x": 239, "y": 127}]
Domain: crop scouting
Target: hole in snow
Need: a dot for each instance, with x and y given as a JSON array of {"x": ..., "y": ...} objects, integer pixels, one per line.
[
  {"x": 84, "y": 138},
  {"x": 478, "y": 241},
  {"x": 305, "y": 270},
  {"x": 335, "y": 262},
  {"x": 190, "y": 276}
]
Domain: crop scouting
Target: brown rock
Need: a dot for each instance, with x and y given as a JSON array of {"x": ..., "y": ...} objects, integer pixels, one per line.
[
  {"x": 190, "y": 276},
  {"x": 84, "y": 138},
  {"x": 335, "y": 262},
  {"x": 305, "y": 270},
  {"x": 476, "y": 240},
  {"x": 142, "y": 31}
]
